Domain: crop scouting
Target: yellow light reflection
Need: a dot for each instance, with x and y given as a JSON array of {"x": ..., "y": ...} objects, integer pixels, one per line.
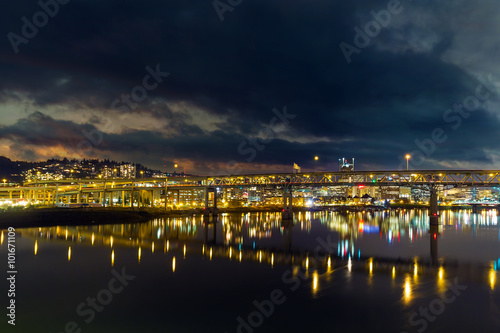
[
  {"x": 1, "y": 239},
  {"x": 272, "y": 259},
  {"x": 185, "y": 250},
  {"x": 349, "y": 264},
  {"x": 371, "y": 266},
  {"x": 203, "y": 249},
  {"x": 407, "y": 290},
  {"x": 69, "y": 253},
  {"x": 66, "y": 234},
  {"x": 315, "y": 282},
  {"x": 240, "y": 256},
  {"x": 173, "y": 264},
  {"x": 93, "y": 238},
  {"x": 230, "y": 252},
  {"x": 111, "y": 241},
  {"x": 260, "y": 256},
  {"x": 441, "y": 283},
  {"x": 415, "y": 270},
  {"x": 393, "y": 271},
  {"x": 210, "y": 253},
  {"x": 307, "y": 263},
  {"x": 112, "y": 258},
  {"x": 139, "y": 254},
  {"x": 153, "y": 247},
  {"x": 329, "y": 263},
  {"x": 493, "y": 278},
  {"x": 167, "y": 246}
]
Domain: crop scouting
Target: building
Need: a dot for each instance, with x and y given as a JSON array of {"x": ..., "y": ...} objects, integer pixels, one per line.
[
  {"x": 346, "y": 165},
  {"x": 127, "y": 171}
]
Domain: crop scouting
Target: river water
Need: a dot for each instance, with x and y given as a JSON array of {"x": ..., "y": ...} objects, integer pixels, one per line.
[{"x": 322, "y": 272}]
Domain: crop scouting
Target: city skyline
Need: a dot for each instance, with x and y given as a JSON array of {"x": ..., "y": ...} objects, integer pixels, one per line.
[{"x": 213, "y": 90}]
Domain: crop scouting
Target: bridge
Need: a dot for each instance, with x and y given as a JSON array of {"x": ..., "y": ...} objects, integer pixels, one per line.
[{"x": 148, "y": 191}]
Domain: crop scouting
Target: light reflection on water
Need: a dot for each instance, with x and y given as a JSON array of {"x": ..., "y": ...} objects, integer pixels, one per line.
[{"x": 399, "y": 245}]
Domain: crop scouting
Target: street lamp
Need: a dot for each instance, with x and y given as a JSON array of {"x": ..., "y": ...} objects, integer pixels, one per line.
[
  {"x": 315, "y": 160},
  {"x": 175, "y": 167},
  {"x": 142, "y": 174},
  {"x": 407, "y": 159},
  {"x": 4, "y": 181}
]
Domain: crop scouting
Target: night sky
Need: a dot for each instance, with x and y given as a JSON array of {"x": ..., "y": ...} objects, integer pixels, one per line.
[{"x": 253, "y": 86}]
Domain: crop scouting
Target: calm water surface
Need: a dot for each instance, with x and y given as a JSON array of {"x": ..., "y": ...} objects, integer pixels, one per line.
[{"x": 326, "y": 272}]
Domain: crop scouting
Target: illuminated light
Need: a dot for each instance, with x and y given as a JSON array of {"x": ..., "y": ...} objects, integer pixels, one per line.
[
  {"x": 493, "y": 278},
  {"x": 168, "y": 245},
  {"x": 407, "y": 290},
  {"x": 173, "y": 264},
  {"x": 69, "y": 253},
  {"x": 66, "y": 234},
  {"x": 153, "y": 247},
  {"x": 272, "y": 259},
  {"x": 307, "y": 263},
  {"x": 371, "y": 266},
  {"x": 1, "y": 239},
  {"x": 415, "y": 270},
  {"x": 349, "y": 264},
  {"x": 36, "y": 247},
  {"x": 112, "y": 258},
  {"x": 441, "y": 273},
  {"x": 230, "y": 252},
  {"x": 329, "y": 263},
  {"x": 210, "y": 253},
  {"x": 240, "y": 256},
  {"x": 260, "y": 256},
  {"x": 315, "y": 282},
  {"x": 393, "y": 271},
  {"x": 93, "y": 238},
  {"x": 203, "y": 249},
  {"x": 111, "y": 241},
  {"x": 185, "y": 250},
  {"x": 139, "y": 254}
]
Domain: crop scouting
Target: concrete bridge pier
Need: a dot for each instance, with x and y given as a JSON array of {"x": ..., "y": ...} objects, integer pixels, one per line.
[
  {"x": 433, "y": 207},
  {"x": 213, "y": 209},
  {"x": 287, "y": 213}
]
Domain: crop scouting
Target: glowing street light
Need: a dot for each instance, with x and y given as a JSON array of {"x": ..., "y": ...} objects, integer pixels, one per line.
[
  {"x": 142, "y": 174},
  {"x": 4, "y": 181},
  {"x": 315, "y": 160},
  {"x": 407, "y": 159}
]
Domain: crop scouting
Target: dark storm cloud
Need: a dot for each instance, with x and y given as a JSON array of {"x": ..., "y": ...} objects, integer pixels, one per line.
[{"x": 263, "y": 55}]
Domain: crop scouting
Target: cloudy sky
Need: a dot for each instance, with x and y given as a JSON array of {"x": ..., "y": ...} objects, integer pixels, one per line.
[{"x": 252, "y": 85}]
